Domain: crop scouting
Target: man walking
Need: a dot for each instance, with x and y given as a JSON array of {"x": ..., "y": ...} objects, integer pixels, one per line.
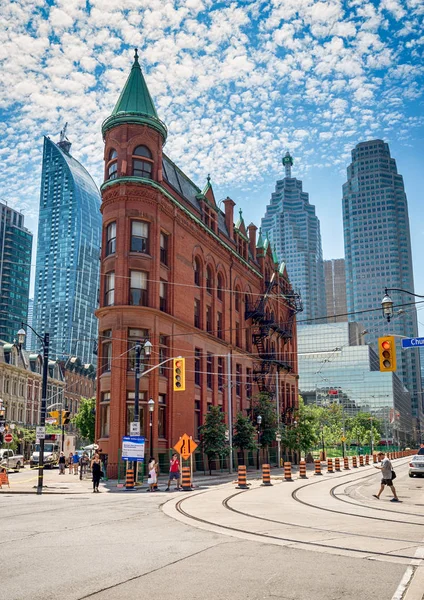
[
  {"x": 386, "y": 471},
  {"x": 174, "y": 471}
]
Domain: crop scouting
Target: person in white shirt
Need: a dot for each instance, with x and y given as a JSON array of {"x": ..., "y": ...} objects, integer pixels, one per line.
[{"x": 386, "y": 470}]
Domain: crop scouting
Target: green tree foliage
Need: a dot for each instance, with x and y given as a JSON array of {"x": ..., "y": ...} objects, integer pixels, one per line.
[
  {"x": 359, "y": 429},
  {"x": 85, "y": 418},
  {"x": 304, "y": 435},
  {"x": 212, "y": 435},
  {"x": 265, "y": 407},
  {"x": 244, "y": 437}
]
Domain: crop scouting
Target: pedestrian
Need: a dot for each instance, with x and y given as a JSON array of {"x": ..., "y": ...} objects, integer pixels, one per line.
[
  {"x": 387, "y": 473},
  {"x": 75, "y": 460},
  {"x": 62, "y": 464},
  {"x": 70, "y": 462},
  {"x": 96, "y": 470},
  {"x": 174, "y": 472},
  {"x": 153, "y": 478}
]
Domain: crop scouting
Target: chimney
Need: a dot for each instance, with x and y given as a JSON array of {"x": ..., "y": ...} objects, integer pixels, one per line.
[
  {"x": 229, "y": 216},
  {"x": 252, "y": 229}
]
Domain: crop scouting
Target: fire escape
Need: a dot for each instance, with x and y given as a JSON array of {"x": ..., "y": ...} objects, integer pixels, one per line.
[{"x": 266, "y": 330}]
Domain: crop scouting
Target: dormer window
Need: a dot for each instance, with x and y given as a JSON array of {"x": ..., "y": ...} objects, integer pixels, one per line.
[
  {"x": 142, "y": 162},
  {"x": 112, "y": 165}
]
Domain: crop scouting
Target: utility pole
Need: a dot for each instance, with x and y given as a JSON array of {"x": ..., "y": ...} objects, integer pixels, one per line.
[
  {"x": 277, "y": 395},
  {"x": 137, "y": 398},
  {"x": 230, "y": 412}
]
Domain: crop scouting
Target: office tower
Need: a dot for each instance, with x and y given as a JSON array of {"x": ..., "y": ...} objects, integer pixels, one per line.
[
  {"x": 335, "y": 290},
  {"x": 29, "y": 342},
  {"x": 67, "y": 268},
  {"x": 15, "y": 267},
  {"x": 293, "y": 229},
  {"x": 378, "y": 254}
]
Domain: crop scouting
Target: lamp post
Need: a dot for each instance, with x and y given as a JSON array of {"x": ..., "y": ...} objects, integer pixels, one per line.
[
  {"x": 147, "y": 346},
  {"x": 258, "y": 421},
  {"x": 151, "y": 405},
  {"x": 45, "y": 341},
  {"x": 387, "y": 302}
]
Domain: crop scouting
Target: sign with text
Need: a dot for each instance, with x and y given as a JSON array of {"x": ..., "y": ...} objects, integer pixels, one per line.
[
  {"x": 40, "y": 433},
  {"x": 185, "y": 446},
  {"x": 413, "y": 342},
  {"x": 135, "y": 428},
  {"x": 133, "y": 448}
]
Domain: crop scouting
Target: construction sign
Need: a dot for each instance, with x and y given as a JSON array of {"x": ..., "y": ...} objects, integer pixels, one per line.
[{"x": 185, "y": 446}]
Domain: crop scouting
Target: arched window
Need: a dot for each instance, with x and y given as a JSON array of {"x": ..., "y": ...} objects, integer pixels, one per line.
[
  {"x": 209, "y": 280},
  {"x": 237, "y": 300},
  {"x": 197, "y": 269},
  {"x": 112, "y": 165},
  {"x": 220, "y": 287},
  {"x": 142, "y": 162}
]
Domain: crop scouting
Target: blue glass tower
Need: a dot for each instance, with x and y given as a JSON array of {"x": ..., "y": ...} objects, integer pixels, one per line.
[
  {"x": 294, "y": 232},
  {"x": 67, "y": 271},
  {"x": 378, "y": 255}
]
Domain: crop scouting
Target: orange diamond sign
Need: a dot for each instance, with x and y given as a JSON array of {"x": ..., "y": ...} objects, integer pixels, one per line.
[{"x": 185, "y": 446}]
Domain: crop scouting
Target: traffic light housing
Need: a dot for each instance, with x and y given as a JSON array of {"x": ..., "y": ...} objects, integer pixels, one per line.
[
  {"x": 387, "y": 353},
  {"x": 66, "y": 417},
  {"x": 178, "y": 374}
]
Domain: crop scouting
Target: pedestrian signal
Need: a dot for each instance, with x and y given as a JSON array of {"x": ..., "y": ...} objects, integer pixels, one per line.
[
  {"x": 179, "y": 374},
  {"x": 66, "y": 417},
  {"x": 387, "y": 353}
]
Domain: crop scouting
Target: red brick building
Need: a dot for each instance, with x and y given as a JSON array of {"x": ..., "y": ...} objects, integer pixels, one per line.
[{"x": 177, "y": 271}]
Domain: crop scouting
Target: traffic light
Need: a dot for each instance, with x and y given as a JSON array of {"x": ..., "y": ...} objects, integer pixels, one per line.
[
  {"x": 66, "y": 417},
  {"x": 387, "y": 353},
  {"x": 179, "y": 374}
]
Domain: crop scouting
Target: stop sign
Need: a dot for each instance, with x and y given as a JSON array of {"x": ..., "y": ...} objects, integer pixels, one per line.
[{"x": 8, "y": 438}]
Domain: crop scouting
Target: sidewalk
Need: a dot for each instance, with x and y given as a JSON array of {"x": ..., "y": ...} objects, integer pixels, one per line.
[{"x": 25, "y": 482}]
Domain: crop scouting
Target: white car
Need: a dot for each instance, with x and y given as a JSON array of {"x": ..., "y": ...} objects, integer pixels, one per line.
[{"x": 416, "y": 466}]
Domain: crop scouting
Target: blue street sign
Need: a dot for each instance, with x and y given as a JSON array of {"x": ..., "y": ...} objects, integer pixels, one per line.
[
  {"x": 133, "y": 448},
  {"x": 413, "y": 342}
]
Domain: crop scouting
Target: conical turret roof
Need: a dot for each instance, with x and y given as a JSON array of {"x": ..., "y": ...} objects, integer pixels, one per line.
[{"x": 135, "y": 104}]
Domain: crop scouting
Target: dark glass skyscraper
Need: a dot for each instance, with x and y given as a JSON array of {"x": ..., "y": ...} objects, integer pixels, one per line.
[
  {"x": 294, "y": 232},
  {"x": 67, "y": 274},
  {"x": 378, "y": 254},
  {"x": 15, "y": 268}
]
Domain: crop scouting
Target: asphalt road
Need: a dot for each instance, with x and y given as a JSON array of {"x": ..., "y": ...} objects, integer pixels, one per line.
[{"x": 324, "y": 538}]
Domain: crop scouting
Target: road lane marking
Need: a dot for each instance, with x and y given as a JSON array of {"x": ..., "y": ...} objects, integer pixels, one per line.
[{"x": 409, "y": 574}]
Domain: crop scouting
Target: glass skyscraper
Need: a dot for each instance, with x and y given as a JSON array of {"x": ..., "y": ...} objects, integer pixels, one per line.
[
  {"x": 67, "y": 271},
  {"x": 378, "y": 255},
  {"x": 15, "y": 268},
  {"x": 293, "y": 229}
]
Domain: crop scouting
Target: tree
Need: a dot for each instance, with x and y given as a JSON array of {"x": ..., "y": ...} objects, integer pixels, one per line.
[
  {"x": 265, "y": 407},
  {"x": 304, "y": 435},
  {"x": 360, "y": 429},
  {"x": 85, "y": 418},
  {"x": 244, "y": 434},
  {"x": 212, "y": 435}
]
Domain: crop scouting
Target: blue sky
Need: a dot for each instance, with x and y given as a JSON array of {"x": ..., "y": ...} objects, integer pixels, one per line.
[{"x": 237, "y": 83}]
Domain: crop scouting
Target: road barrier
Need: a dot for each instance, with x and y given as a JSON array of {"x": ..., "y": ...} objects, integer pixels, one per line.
[
  {"x": 354, "y": 462},
  {"x": 317, "y": 467},
  {"x": 242, "y": 485},
  {"x": 330, "y": 465},
  {"x": 337, "y": 464},
  {"x": 129, "y": 483},
  {"x": 4, "y": 479},
  {"x": 186, "y": 479},
  {"x": 374, "y": 458},
  {"x": 367, "y": 459},
  {"x": 361, "y": 461},
  {"x": 266, "y": 475},
  {"x": 287, "y": 471},
  {"x": 302, "y": 469},
  {"x": 346, "y": 463}
]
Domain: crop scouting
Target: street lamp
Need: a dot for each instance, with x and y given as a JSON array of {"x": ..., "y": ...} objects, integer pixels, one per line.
[
  {"x": 387, "y": 302},
  {"x": 258, "y": 421},
  {"x": 45, "y": 342},
  {"x": 147, "y": 346},
  {"x": 151, "y": 405}
]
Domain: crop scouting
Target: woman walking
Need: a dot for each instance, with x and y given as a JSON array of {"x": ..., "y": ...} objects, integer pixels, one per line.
[
  {"x": 96, "y": 469},
  {"x": 153, "y": 478}
]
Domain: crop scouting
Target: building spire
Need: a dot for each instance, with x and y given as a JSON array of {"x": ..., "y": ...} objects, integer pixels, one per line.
[
  {"x": 63, "y": 143},
  {"x": 135, "y": 104},
  {"x": 287, "y": 163}
]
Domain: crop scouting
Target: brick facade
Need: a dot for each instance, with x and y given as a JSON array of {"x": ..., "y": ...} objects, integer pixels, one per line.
[{"x": 202, "y": 284}]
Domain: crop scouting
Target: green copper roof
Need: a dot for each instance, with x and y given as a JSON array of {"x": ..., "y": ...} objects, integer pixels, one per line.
[
  {"x": 260, "y": 242},
  {"x": 282, "y": 267},
  {"x": 240, "y": 221},
  {"x": 274, "y": 256},
  {"x": 207, "y": 186},
  {"x": 135, "y": 105},
  {"x": 266, "y": 243}
]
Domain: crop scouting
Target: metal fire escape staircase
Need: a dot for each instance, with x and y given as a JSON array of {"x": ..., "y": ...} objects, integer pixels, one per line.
[{"x": 264, "y": 328}]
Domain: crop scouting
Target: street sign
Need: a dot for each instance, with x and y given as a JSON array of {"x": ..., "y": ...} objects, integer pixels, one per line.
[
  {"x": 278, "y": 437},
  {"x": 133, "y": 448},
  {"x": 185, "y": 446},
  {"x": 2, "y": 428},
  {"x": 343, "y": 439},
  {"x": 8, "y": 438},
  {"x": 51, "y": 421},
  {"x": 413, "y": 342},
  {"x": 135, "y": 428},
  {"x": 40, "y": 433}
]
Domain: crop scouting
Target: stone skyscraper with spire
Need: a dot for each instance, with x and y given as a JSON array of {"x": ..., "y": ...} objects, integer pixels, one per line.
[{"x": 293, "y": 230}]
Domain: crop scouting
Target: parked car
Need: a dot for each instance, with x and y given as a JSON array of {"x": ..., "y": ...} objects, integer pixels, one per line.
[
  {"x": 10, "y": 460},
  {"x": 416, "y": 466}
]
